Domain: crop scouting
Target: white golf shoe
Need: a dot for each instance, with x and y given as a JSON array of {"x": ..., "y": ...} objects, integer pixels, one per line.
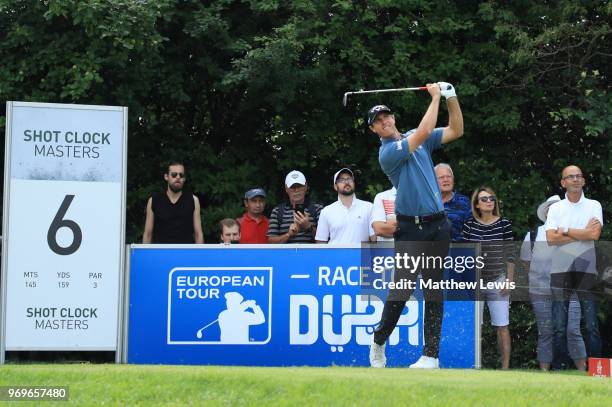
[
  {"x": 377, "y": 355},
  {"x": 425, "y": 362}
]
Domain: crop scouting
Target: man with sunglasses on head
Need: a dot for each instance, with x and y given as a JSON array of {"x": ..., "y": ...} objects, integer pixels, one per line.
[
  {"x": 406, "y": 160},
  {"x": 572, "y": 227},
  {"x": 173, "y": 216}
]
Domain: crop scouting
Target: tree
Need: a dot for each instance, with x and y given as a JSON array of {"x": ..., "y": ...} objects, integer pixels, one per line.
[{"x": 245, "y": 91}]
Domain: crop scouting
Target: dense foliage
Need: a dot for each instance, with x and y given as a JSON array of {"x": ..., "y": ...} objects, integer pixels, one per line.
[{"x": 244, "y": 91}]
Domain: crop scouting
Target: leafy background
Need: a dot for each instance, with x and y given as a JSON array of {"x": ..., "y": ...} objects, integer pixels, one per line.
[{"x": 245, "y": 91}]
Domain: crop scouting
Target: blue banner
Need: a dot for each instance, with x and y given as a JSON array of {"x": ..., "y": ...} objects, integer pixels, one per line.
[{"x": 272, "y": 306}]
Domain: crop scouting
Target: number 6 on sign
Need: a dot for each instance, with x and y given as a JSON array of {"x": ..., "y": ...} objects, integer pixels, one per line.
[{"x": 60, "y": 222}]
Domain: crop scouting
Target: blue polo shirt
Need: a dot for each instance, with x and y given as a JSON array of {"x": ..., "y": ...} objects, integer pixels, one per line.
[
  {"x": 458, "y": 210},
  {"x": 413, "y": 174}
]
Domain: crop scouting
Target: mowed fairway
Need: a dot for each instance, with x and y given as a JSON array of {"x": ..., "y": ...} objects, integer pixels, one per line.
[{"x": 213, "y": 385}]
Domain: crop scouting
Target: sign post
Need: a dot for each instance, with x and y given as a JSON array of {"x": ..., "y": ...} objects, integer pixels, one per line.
[{"x": 63, "y": 226}]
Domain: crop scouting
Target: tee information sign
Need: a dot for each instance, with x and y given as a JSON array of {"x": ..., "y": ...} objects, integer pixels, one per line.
[{"x": 63, "y": 226}]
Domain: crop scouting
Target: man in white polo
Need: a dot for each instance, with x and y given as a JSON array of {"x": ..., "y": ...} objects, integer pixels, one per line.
[
  {"x": 348, "y": 219},
  {"x": 573, "y": 225}
]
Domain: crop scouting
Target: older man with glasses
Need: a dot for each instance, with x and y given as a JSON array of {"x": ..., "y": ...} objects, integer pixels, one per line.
[
  {"x": 573, "y": 225},
  {"x": 294, "y": 221},
  {"x": 173, "y": 216},
  {"x": 456, "y": 205}
]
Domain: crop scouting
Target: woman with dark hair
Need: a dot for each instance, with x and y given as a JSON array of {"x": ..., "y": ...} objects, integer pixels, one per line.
[{"x": 494, "y": 233}]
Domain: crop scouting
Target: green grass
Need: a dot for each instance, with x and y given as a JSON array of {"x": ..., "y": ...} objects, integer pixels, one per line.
[{"x": 213, "y": 385}]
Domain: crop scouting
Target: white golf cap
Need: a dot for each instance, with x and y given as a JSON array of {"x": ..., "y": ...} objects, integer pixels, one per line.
[
  {"x": 295, "y": 177},
  {"x": 545, "y": 205},
  {"x": 340, "y": 171}
]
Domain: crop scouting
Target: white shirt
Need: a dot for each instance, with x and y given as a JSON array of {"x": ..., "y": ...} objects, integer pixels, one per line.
[
  {"x": 580, "y": 255},
  {"x": 384, "y": 207},
  {"x": 340, "y": 224}
]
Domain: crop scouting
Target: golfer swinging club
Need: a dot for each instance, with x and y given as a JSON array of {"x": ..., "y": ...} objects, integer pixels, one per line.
[{"x": 406, "y": 159}]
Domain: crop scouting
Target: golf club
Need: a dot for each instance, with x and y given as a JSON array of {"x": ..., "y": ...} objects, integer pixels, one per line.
[
  {"x": 199, "y": 333},
  {"x": 360, "y": 92}
]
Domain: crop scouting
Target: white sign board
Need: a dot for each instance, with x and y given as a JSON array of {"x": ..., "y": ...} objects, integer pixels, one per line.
[{"x": 63, "y": 225}]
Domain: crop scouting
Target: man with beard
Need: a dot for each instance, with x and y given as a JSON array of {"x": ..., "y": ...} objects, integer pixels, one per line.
[
  {"x": 347, "y": 219},
  {"x": 173, "y": 216}
]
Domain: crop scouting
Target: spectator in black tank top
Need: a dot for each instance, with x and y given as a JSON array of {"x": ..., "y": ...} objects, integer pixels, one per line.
[
  {"x": 173, "y": 216},
  {"x": 494, "y": 233}
]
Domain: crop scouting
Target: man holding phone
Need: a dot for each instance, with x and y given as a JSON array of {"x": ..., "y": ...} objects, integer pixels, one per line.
[{"x": 294, "y": 221}]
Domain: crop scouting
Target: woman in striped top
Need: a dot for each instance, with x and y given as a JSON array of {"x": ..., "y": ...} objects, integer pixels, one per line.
[{"x": 494, "y": 233}]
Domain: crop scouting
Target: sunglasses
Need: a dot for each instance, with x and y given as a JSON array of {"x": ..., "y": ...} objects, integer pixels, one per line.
[
  {"x": 490, "y": 198},
  {"x": 177, "y": 175}
]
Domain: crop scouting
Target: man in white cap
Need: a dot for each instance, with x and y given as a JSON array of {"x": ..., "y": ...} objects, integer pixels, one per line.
[
  {"x": 536, "y": 251},
  {"x": 573, "y": 225},
  {"x": 347, "y": 219},
  {"x": 294, "y": 221}
]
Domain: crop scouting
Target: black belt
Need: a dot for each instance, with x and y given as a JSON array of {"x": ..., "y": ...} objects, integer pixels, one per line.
[{"x": 420, "y": 219}]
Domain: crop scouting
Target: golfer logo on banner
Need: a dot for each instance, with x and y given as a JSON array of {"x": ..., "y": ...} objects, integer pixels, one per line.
[
  {"x": 65, "y": 173},
  {"x": 233, "y": 306}
]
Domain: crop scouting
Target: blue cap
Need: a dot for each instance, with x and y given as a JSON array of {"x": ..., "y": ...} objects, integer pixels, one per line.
[{"x": 252, "y": 193}]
